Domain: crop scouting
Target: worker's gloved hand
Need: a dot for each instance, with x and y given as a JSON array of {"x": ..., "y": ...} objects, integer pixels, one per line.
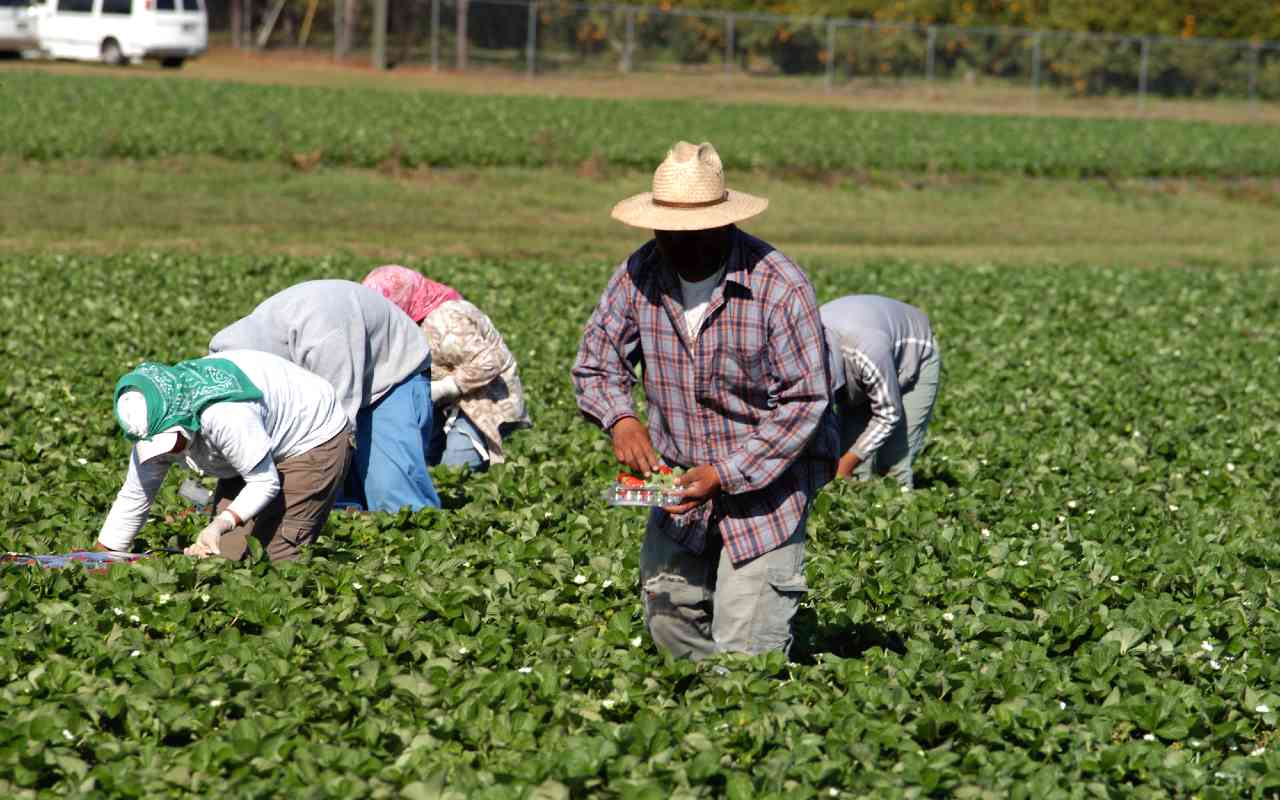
[
  {"x": 207, "y": 543},
  {"x": 444, "y": 391}
]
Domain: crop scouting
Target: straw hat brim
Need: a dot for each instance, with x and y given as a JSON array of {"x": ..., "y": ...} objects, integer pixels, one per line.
[{"x": 640, "y": 211}]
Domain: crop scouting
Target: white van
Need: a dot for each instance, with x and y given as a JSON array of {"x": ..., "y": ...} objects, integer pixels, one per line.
[
  {"x": 17, "y": 27},
  {"x": 124, "y": 31}
]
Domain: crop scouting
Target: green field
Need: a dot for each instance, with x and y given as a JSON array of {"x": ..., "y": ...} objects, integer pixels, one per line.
[
  {"x": 96, "y": 117},
  {"x": 1077, "y": 602}
]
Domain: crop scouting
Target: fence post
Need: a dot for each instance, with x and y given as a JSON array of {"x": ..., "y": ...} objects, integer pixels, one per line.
[
  {"x": 628, "y": 46},
  {"x": 1142, "y": 73},
  {"x": 930, "y": 43},
  {"x": 435, "y": 35},
  {"x": 831, "y": 54},
  {"x": 1255, "y": 50},
  {"x": 728, "y": 42},
  {"x": 460, "y": 47},
  {"x": 1035, "y": 67},
  {"x": 379, "y": 58},
  {"x": 531, "y": 40}
]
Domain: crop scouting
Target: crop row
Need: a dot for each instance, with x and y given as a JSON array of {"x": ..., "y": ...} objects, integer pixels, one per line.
[
  {"x": 72, "y": 117},
  {"x": 1079, "y": 600}
]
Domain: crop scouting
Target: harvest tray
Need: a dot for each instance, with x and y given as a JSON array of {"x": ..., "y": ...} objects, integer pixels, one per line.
[{"x": 621, "y": 495}]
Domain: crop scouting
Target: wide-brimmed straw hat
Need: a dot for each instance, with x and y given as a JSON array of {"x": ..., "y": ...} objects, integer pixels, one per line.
[{"x": 689, "y": 194}]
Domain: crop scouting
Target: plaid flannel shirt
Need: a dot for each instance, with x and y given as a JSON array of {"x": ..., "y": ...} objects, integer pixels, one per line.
[{"x": 749, "y": 395}]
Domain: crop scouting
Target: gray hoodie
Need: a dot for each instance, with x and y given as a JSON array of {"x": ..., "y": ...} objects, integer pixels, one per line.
[{"x": 346, "y": 333}]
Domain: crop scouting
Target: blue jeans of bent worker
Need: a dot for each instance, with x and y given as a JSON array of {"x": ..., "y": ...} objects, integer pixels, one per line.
[
  {"x": 456, "y": 448},
  {"x": 393, "y": 437}
]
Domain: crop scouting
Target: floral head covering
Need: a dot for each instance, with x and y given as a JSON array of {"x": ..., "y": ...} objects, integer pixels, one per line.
[
  {"x": 176, "y": 395},
  {"x": 416, "y": 294}
]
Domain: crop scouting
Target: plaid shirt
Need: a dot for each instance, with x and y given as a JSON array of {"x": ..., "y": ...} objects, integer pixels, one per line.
[{"x": 749, "y": 395}]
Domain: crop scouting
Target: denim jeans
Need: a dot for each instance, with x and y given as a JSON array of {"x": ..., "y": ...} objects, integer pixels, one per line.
[
  {"x": 457, "y": 447},
  {"x": 697, "y": 605},
  {"x": 899, "y": 451},
  {"x": 389, "y": 470}
]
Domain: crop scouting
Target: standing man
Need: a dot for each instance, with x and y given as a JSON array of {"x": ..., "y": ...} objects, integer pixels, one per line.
[
  {"x": 892, "y": 367},
  {"x": 737, "y": 385}
]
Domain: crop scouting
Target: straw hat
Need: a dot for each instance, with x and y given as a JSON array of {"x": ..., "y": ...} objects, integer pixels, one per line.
[{"x": 688, "y": 194}]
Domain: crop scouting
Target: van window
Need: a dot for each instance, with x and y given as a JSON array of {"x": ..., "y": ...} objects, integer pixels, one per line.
[
  {"x": 164, "y": 5},
  {"x": 117, "y": 6},
  {"x": 13, "y": 3},
  {"x": 190, "y": 5},
  {"x": 79, "y": 6}
]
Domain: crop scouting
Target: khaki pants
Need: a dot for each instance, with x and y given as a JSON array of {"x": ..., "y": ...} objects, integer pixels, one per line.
[
  {"x": 698, "y": 605},
  {"x": 309, "y": 485}
]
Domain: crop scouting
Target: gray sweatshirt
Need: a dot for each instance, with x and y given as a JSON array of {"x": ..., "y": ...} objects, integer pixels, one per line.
[
  {"x": 346, "y": 333},
  {"x": 882, "y": 343}
]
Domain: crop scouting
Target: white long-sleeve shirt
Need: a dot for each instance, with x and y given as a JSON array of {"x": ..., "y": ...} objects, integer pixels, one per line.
[
  {"x": 298, "y": 411},
  {"x": 882, "y": 343}
]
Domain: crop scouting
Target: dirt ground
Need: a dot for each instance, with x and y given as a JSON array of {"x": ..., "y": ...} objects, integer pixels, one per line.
[{"x": 315, "y": 67}]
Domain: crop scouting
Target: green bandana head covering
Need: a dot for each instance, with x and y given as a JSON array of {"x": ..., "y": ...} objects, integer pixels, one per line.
[{"x": 176, "y": 395}]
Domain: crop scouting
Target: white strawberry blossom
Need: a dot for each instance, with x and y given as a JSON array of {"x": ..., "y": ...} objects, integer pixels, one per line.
[
  {"x": 68, "y": 735},
  {"x": 215, "y": 702},
  {"x": 1150, "y": 737},
  {"x": 1214, "y": 664},
  {"x": 118, "y": 612},
  {"x": 164, "y": 598},
  {"x": 357, "y": 586},
  {"x": 948, "y": 617},
  {"x": 606, "y": 584},
  {"x": 1206, "y": 646},
  {"x": 1231, "y": 467},
  {"x": 986, "y": 533},
  {"x": 525, "y": 670},
  {"x": 1115, "y": 578},
  {"x": 608, "y": 704},
  {"x": 1262, "y": 708},
  {"x": 134, "y": 618},
  {"x": 1260, "y": 751},
  {"x": 82, "y": 461},
  {"x": 135, "y": 653},
  {"x": 579, "y": 579},
  {"x": 635, "y": 641},
  {"x": 1022, "y": 562}
]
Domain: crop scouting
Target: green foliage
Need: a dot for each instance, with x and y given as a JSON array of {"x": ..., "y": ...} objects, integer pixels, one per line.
[
  {"x": 1078, "y": 600},
  {"x": 89, "y": 117}
]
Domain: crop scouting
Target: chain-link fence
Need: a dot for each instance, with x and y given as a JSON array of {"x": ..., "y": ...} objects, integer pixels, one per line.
[{"x": 552, "y": 37}]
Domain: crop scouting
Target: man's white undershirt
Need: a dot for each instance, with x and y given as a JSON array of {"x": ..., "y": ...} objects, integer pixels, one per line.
[{"x": 696, "y": 297}]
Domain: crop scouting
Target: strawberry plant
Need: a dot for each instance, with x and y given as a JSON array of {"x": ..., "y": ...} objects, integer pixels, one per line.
[{"x": 1078, "y": 600}]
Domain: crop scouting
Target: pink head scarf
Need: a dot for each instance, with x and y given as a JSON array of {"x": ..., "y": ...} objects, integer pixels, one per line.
[{"x": 416, "y": 295}]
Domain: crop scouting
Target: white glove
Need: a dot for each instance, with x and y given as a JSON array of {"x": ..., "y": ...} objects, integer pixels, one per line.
[
  {"x": 208, "y": 542},
  {"x": 444, "y": 391}
]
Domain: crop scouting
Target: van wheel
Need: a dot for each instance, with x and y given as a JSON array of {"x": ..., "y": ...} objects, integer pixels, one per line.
[
  {"x": 112, "y": 55},
  {"x": 172, "y": 63}
]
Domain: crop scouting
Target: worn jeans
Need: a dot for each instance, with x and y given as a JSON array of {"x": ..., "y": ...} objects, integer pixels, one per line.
[
  {"x": 899, "y": 451},
  {"x": 457, "y": 446},
  {"x": 698, "y": 605},
  {"x": 389, "y": 470}
]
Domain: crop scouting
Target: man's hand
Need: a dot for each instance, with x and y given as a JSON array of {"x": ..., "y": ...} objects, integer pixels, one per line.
[
  {"x": 207, "y": 543},
  {"x": 846, "y": 465},
  {"x": 698, "y": 485},
  {"x": 632, "y": 447}
]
